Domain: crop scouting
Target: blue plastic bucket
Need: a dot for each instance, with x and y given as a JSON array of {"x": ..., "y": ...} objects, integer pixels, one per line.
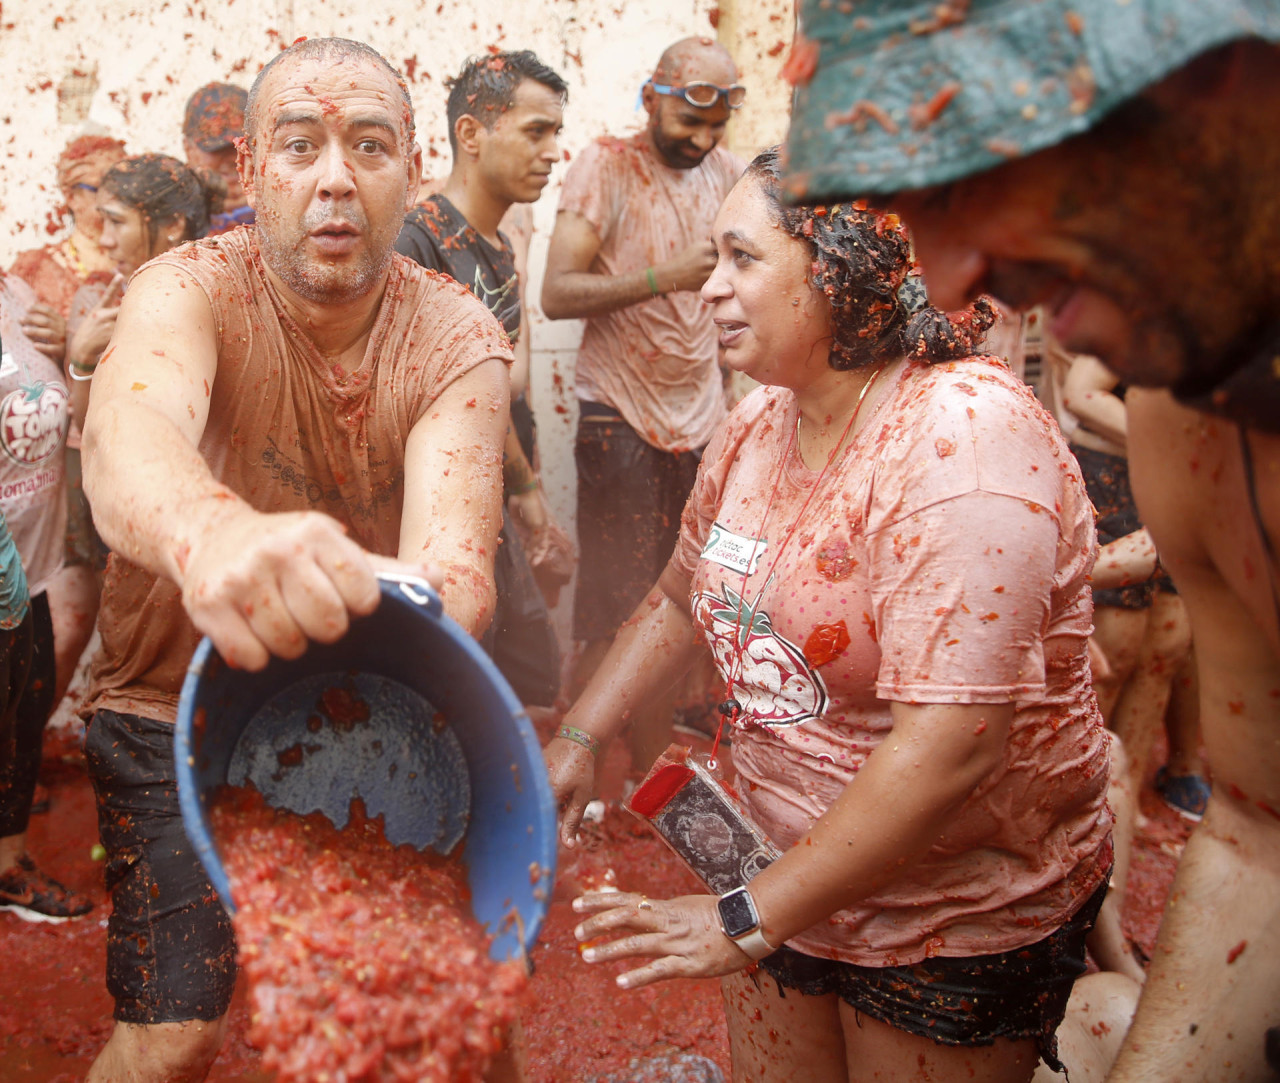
[{"x": 406, "y": 712}]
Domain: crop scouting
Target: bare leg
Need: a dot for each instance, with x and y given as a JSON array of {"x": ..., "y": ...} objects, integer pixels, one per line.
[
  {"x": 73, "y": 606},
  {"x": 1214, "y": 987},
  {"x": 877, "y": 1051},
  {"x": 773, "y": 1039},
  {"x": 1139, "y": 713},
  {"x": 1118, "y": 633},
  {"x": 159, "y": 1052},
  {"x": 1107, "y": 943},
  {"x": 1098, "y": 1016},
  {"x": 12, "y": 847}
]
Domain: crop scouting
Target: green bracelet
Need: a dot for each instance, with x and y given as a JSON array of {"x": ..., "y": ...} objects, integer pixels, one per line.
[
  {"x": 653, "y": 281},
  {"x": 580, "y": 737},
  {"x": 520, "y": 490}
]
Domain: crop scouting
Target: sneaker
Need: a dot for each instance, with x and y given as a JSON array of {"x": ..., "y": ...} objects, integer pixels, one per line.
[
  {"x": 31, "y": 895},
  {"x": 1188, "y": 795}
]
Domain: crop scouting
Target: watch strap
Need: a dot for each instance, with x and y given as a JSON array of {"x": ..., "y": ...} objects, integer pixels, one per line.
[
  {"x": 751, "y": 941},
  {"x": 754, "y": 945}
]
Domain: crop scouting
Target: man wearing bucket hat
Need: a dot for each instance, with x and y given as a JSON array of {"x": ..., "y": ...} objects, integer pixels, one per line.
[
  {"x": 283, "y": 410},
  {"x": 211, "y": 124},
  {"x": 629, "y": 253},
  {"x": 1117, "y": 161}
]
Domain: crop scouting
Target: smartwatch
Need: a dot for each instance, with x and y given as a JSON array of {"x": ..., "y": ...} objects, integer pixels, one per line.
[{"x": 741, "y": 923}]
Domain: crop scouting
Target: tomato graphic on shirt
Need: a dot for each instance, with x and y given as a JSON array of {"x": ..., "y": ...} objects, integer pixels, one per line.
[
  {"x": 772, "y": 679},
  {"x": 33, "y": 422}
]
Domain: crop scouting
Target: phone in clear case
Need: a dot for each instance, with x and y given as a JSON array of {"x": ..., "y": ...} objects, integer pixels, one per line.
[{"x": 702, "y": 820}]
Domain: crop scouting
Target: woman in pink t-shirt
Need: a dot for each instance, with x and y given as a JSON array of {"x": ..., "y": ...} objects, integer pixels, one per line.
[{"x": 887, "y": 551}]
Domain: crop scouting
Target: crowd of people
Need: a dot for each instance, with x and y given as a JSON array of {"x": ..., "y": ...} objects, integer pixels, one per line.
[{"x": 247, "y": 382}]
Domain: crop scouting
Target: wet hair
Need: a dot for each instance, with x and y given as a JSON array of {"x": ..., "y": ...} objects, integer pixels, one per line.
[
  {"x": 860, "y": 262},
  {"x": 486, "y": 87},
  {"x": 162, "y": 189},
  {"x": 335, "y": 49}
]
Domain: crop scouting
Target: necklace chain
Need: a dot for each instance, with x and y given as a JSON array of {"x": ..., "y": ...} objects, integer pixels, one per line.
[
  {"x": 74, "y": 253},
  {"x": 731, "y": 709}
]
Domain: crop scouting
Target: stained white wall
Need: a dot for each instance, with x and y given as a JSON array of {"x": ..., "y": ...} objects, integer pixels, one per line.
[{"x": 126, "y": 67}]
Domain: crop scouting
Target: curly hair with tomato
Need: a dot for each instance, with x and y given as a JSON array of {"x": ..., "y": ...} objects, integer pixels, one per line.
[{"x": 861, "y": 260}]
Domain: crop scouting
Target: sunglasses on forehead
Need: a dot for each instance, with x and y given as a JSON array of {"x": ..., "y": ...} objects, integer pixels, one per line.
[{"x": 704, "y": 95}]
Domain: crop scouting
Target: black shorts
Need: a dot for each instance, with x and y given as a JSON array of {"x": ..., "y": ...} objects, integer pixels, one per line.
[
  {"x": 170, "y": 948},
  {"x": 1106, "y": 480},
  {"x": 18, "y": 768},
  {"x": 959, "y": 1001},
  {"x": 24, "y": 749},
  {"x": 630, "y": 499}
]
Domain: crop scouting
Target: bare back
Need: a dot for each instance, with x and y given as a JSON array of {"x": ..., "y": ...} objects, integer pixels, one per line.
[{"x": 1214, "y": 989}]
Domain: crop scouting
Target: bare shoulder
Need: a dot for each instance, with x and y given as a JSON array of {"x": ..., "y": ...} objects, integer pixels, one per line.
[
  {"x": 1210, "y": 497},
  {"x": 1163, "y": 437},
  {"x": 1189, "y": 479},
  {"x": 163, "y": 307}
]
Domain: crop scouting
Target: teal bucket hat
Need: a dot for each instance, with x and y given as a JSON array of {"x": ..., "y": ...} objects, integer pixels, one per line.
[{"x": 907, "y": 94}]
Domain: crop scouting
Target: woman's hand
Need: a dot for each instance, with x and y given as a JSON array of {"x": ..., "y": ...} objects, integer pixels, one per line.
[
  {"x": 47, "y": 330},
  {"x": 683, "y": 936},
  {"x": 95, "y": 330},
  {"x": 572, "y": 771}
]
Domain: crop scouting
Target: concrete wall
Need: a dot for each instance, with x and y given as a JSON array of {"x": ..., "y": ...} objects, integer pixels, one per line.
[{"x": 127, "y": 66}]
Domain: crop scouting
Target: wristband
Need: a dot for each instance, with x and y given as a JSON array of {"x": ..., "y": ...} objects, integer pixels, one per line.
[
  {"x": 80, "y": 375},
  {"x": 520, "y": 490},
  {"x": 579, "y": 737},
  {"x": 653, "y": 281}
]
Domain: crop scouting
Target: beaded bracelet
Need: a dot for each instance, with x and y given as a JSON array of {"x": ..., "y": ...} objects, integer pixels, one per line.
[{"x": 580, "y": 737}]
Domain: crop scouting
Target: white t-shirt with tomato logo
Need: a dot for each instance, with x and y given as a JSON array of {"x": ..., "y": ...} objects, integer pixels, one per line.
[{"x": 34, "y": 418}]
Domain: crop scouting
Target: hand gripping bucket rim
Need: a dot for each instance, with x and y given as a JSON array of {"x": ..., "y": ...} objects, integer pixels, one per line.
[{"x": 411, "y": 647}]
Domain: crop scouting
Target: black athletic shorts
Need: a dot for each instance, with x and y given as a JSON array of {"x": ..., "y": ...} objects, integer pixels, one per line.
[
  {"x": 20, "y": 743},
  {"x": 630, "y": 499},
  {"x": 170, "y": 949},
  {"x": 959, "y": 1001}
]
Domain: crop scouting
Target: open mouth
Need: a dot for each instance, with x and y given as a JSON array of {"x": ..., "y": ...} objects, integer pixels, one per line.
[
  {"x": 335, "y": 229},
  {"x": 335, "y": 238},
  {"x": 730, "y": 331}
]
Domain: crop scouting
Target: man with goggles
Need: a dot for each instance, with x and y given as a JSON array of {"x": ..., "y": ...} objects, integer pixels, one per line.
[
  {"x": 630, "y": 251},
  {"x": 704, "y": 95}
]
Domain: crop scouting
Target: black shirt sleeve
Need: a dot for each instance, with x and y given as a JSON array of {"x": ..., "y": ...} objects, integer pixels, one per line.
[{"x": 415, "y": 241}]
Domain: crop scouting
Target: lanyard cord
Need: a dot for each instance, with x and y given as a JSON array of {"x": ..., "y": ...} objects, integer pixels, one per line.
[{"x": 731, "y": 709}]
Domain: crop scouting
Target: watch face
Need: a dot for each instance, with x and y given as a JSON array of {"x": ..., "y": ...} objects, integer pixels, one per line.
[{"x": 738, "y": 913}]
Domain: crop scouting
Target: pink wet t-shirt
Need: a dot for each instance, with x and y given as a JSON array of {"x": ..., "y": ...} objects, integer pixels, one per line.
[
  {"x": 942, "y": 558},
  {"x": 654, "y": 362}
]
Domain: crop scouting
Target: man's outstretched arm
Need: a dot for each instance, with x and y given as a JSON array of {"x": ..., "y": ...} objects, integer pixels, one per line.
[
  {"x": 257, "y": 584},
  {"x": 453, "y": 490}
]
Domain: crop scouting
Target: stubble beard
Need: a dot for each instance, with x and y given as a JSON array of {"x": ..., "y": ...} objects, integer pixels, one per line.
[{"x": 313, "y": 279}]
